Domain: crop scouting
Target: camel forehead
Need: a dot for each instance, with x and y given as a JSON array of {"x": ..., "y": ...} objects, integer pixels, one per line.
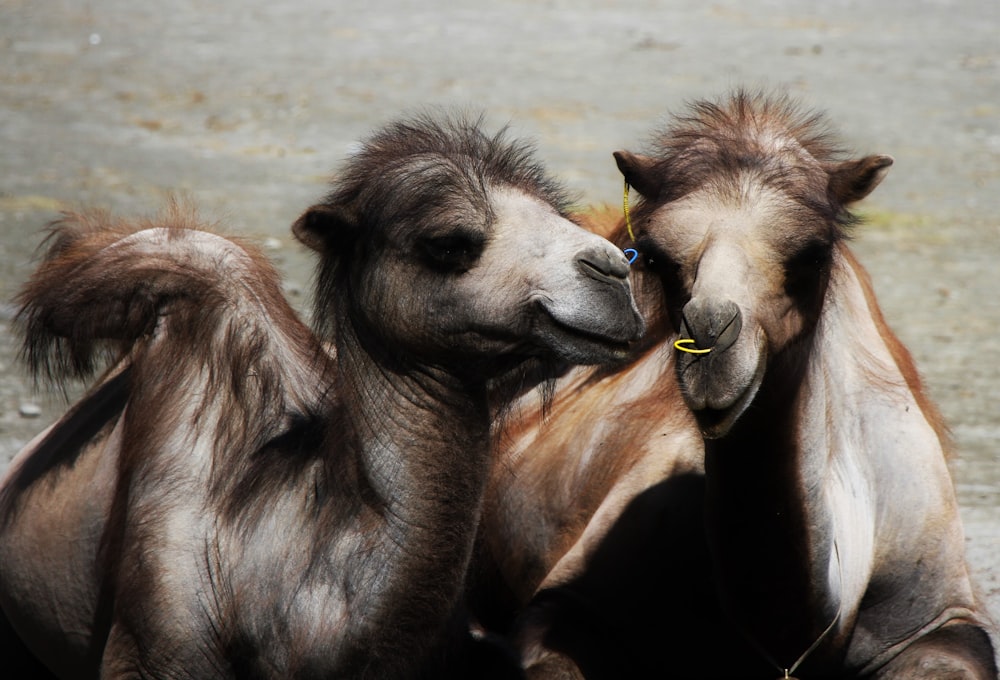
[
  {"x": 778, "y": 145},
  {"x": 434, "y": 187},
  {"x": 539, "y": 231},
  {"x": 498, "y": 212},
  {"x": 746, "y": 212},
  {"x": 514, "y": 206}
]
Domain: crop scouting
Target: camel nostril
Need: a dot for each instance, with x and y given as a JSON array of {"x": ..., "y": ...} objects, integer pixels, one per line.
[
  {"x": 603, "y": 264},
  {"x": 711, "y": 324}
]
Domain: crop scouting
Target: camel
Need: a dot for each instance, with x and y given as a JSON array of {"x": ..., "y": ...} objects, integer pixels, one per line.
[
  {"x": 242, "y": 496},
  {"x": 762, "y": 490}
]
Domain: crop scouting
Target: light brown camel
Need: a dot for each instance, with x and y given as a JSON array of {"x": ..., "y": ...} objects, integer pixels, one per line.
[
  {"x": 232, "y": 500},
  {"x": 822, "y": 537}
]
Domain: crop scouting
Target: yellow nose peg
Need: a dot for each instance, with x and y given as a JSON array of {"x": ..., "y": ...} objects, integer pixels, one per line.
[{"x": 681, "y": 345}]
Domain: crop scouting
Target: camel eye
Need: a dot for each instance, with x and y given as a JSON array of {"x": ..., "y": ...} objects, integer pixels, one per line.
[
  {"x": 453, "y": 252},
  {"x": 806, "y": 269},
  {"x": 811, "y": 259},
  {"x": 655, "y": 259}
]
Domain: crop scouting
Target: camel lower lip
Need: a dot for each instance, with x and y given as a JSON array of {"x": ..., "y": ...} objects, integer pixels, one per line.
[
  {"x": 716, "y": 422},
  {"x": 616, "y": 349},
  {"x": 713, "y": 422}
]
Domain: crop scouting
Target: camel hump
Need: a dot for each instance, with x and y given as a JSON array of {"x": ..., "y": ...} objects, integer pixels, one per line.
[{"x": 106, "y": 285}]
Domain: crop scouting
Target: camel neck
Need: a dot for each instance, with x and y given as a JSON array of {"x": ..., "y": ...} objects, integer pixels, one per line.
[
  {"x": 417, "y": 450},
  {"x": 769, "y": 526},
  {"x": 421, "y": 433}
]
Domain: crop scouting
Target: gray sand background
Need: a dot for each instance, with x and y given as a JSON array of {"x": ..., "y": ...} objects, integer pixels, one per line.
[{"x": 247, "y": 107}]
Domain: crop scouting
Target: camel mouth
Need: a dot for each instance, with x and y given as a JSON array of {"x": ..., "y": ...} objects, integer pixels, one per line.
[
  {"x": 588, "y": 327},
  {"x": 584, "y": 346},
  {"x": 715, "y": 422}
]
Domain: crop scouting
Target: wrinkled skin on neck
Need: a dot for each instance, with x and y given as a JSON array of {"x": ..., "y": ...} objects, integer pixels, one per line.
[{"x": 247, "y": 502}]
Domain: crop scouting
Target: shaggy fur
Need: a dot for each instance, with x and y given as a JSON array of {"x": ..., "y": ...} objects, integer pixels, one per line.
[
  {"x": 247, "y": 498},
  {"x": 819, "y": 497}
]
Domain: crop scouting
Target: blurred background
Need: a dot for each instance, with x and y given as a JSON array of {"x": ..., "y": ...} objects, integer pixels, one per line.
[{"x": 249, "y": 107}]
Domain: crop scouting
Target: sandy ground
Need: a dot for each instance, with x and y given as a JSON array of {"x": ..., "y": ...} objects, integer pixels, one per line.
[{"x": 246, "y": 107}]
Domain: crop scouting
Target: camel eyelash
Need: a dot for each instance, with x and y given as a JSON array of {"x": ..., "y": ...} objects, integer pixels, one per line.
[
  {"x": 453, "y": 250},
  {"x": 812, "y": 255},
  {"x": 652, "y": 256}
]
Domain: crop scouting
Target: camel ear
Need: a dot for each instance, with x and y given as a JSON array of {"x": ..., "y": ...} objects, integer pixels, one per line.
[
  {"x": 639, "y": 172},
  {"x": 851, "y": 181},
  {"x": 323, "y": 227}
]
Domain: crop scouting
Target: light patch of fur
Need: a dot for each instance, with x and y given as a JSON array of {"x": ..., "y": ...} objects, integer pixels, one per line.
[{"x": 569, "y": 473}]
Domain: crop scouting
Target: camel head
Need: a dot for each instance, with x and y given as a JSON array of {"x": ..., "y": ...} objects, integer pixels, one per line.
[
  {"x": 743, "y": 205},
  {"x": 454, "y": 248}
]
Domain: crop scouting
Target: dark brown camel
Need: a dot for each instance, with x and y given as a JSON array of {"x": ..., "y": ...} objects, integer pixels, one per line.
[
  {"x": 822, "y": 537},
  {"x": 234, "y": 500}
]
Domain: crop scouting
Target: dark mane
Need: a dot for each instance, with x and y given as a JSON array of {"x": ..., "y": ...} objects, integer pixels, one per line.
[
  {"x": 323, "y": 494},
  {"x": 455, "y": 145},
  {"x": 767, "y": 137}
]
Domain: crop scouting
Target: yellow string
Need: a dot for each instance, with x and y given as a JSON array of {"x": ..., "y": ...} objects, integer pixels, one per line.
[
  {"x": 628, "y": 218},
  {"x": 681, "y": 344}
]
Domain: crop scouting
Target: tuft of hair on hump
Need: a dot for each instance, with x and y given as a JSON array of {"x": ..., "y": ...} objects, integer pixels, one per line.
[{"x": 98, "y": 291}]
